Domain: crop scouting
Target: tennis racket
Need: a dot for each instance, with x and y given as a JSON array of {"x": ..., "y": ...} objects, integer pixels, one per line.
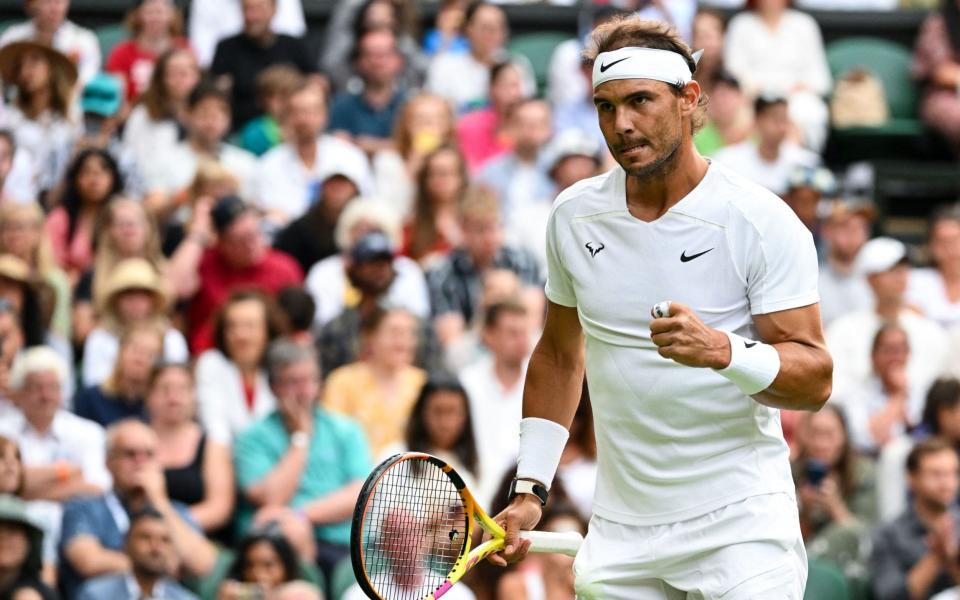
[{"x": 413, "y": 528}]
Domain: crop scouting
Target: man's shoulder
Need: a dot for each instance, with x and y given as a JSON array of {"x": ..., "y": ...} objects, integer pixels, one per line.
[
  {"x": 17, "y": 32},
  {"x": 110, "y": 585},
  {"x": 588, "y": 196},
  {"x": 267, "y": 428},
  {"x": 86, "y": 505},
  {"x": 339, "y": 426},
  {"x": 76, "y": 426},
  {"x": 748, "y": 199}
]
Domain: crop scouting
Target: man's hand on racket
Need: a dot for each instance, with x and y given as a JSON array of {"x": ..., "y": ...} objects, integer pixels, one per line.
[
  {"x": 681, "y": 336},
  {"x": 522, "y": 514}
]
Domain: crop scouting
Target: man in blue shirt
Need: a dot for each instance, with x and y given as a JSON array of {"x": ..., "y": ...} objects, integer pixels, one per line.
[
  {"x": 301, "y": 462},
  {"x": 367, "y": 116}
]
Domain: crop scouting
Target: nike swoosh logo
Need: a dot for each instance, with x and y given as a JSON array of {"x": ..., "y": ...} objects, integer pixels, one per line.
[
  {"x": 604, "y": 67},
  {"x": 749, "y": 344},
  {"x": 685, "y": 258}
]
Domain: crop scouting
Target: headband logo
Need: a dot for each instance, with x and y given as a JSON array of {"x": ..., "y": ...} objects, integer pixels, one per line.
[{"x": 603, "y": 67}]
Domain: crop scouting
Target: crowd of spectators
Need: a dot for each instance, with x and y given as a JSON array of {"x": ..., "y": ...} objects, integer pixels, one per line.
[{"x": 234, "y": 275}]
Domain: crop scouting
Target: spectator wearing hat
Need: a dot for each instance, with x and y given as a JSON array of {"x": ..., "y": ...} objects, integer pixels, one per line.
[
  {"x": 884, "y": 263},
  {"x": 240, "y": 258},
  {"x": 48, "y": 25},
  {"x": 845, "y": 229},
  {"x": 40, "y": 116},
  {"x": 806, "y": 188},
  {"x": 772, "y": 157},
  {"x": 58, "y": 447},
  {"x": 133, "y": 294},
  {"x": 21, "y": 544},
  {"x": 328, "y": 282},
  {"x": 372, "y": 272},
  {"x": 310, "y": 238},
  {"x": 149, "y": 548},
  {"x": 101, "y": 102},
  {"x": 288, "y": 175},
  {"x": 729, "y": 121},
  {"x": 239, "y": 59},
  {"x": 156, "y": 27},
  {"x": 934, "y": 290}
]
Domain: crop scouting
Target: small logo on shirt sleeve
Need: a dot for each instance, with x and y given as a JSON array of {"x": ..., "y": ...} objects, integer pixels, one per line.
[{"x": 594, "y": 249}]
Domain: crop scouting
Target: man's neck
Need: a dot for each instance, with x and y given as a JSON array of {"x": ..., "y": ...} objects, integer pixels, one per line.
[
  {"x": 482, "y": 59},
  {"x": 508, "y": 373},
  {"x": 769, "y": 152},
  {"x": 928, "y": 512},
  {"x": 45, "y": 33},
  {"x": 378, "y": 95},
  {"x": 526, "y": 154},
  {"x": 842, "y": 265},
  {"x": 42, "y": 427},
  {"x": 146, "y": 582},
  {"x": 201, "y": 147},
  {"x": 888, "y": 310},
  {"x": 649, "y": 198},
  {"x": 262, "y": 39},
  {"x": 307, "y": 151}
]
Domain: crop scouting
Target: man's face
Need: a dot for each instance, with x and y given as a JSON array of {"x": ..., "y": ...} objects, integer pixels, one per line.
[
  {"x": 726, "y": 102},
  {"x": 209, "y": 121},
  {"x": 134, "y": 449},
  {"x": 41, "y": 397},
  {"x": 150, "y": 546},
  {"x": 335, "y": 192},
  {"x": 892, "y": 353},
  {"x": 241, "y": 244},
  {"x": 257, "y": 15},
  {"x": 531, "y": 126},
  {"x": 845, "y": 236},
  {"x": 773, "y": 124},
  {"x": 372, "y": 277},
  {"x": 378, "y": 60},
  {"x": 49, "y": 14},
  {"x": 509, "y": 338},
  {"x": 482, "y": 237},
  {"x": 487, "y": 31},
  {"x": 642, "y": 123},
  {"x": 936, "y": 481},
  {"x": 297, "y": 387},
  {"x": 306, "y": 114}
]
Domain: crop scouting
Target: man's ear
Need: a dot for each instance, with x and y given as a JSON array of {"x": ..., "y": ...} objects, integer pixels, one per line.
[{"x": 690, "y": 97}]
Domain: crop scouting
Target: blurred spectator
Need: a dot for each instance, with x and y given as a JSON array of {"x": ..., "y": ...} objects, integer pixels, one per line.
[
  {"x": 709, "y": 30},
  {"x": 94, "y": 527},
  {"x": 302, "y": 461},
  {"x": 265, "y": 560},
  {"x": 328, "y": 280},
  {"x": 92, "y": 181},
  {"x": 239, "y": 59},
  {"x": 380, "y": 388},
  {"x": 17, "y": 183},
  {"x": 121, "y": 395},
  {"x": 580, "y": 113},
  {"x": 372, "y": 272},
  {"x": 156, "y": 27},
  {"x": 21, "y": 544},
  {"x": 883, "y": 261},
  {"x": 455, "y": 282},
  {"x": 21, "y": 315},
  {"x": 915, "y": 556},
  {"x": 12, "y": 476},
  {"x": 288, "y": 175},
  {"x": 424, "y": 124},
  {"x": 198, "y": 470},
  {"x": 846, "y": 228},
  {"x": 808, "y": 188},
  {"x": 483, "y": 133},
  {"x": 310, "y": 238},
  {"x": 578, "y": 463},
  {"x": 434, "y": 227},
  {"x": 239, "y": 259},
  {"x": 150, "y": 550},
  {"x": 497, "y": 285},
  {"x": 21, "y": 235},
  {"x": 440, "y": 424},
  {"x": 494, "y": 386},
  {"x": 366, "y": 118},
  {"x": 837, "y": 493},
  {"x": 519, "y": 177},
  {"x": 447, "y": 36},
  {"x": 40, "y": 115},
  {"x": 207, "y": 125},
  {"x": 48, "y": 25},
  {"x": 770, "y": 159},
  {"x": 463, "y": 78},
  {"x": 296, "y": 310},
  {"x": 566, "y": 83},
  {"x": 570, "y": 157},
  {"x": 772, "y": 48},
  {"x": 273, "y": 85},
  {"x": 936, "y": 291},
  {"x": 133, "y": 295},
  {"x": 214, "y": 20},
  {"x": 729, "y": 119},
  {"x": 232, "y": 389},
  {"x": 154, "y": 125},
  {"x": 936, "y": 66},
  {"x": 189, "y": 216}
]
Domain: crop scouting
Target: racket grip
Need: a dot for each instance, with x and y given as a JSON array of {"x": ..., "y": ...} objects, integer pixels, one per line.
[{"x": 567, "y": 542}]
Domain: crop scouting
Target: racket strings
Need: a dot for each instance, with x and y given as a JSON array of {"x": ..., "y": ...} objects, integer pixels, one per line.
[{"x": 414, "y": 530}]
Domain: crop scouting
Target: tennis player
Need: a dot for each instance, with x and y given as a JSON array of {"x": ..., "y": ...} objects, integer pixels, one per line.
[{"x": 694, "y": 292}]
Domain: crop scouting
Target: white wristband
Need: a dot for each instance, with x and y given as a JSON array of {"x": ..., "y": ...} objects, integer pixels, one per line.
[
  {"x": 541, "y": 444},
  {"x": 753, "y": 364}
]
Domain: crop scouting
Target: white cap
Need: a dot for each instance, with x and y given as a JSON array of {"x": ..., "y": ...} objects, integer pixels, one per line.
[
  {"x": 337, "y": 164},
  {"x": 879, "y": 255},
  {"x": 571, "y": 142}
]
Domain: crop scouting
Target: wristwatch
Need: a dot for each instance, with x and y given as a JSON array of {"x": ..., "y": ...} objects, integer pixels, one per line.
[
  {"x": 525, "y": 486},
  {"x": 300, "y": 439}
]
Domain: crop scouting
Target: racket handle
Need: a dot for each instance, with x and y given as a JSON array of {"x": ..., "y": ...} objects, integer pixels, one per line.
[{"x": 567, "y": 542}]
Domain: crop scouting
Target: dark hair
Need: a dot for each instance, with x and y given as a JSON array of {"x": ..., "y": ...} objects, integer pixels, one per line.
[
  {"x": 944, "y": 394},
  {"x": 423, "y": 226},
  {"x": 71, "y": 201},
  {"x": 498, "y": 69},
  {"x": 155, "y": 98},
  {"x": 418, "y": 438},
  {"x": 163, "y": 366},
  {"x": 929, "y": 446},
  {"x": 205, "y": 90},
  {"x": 274, "y": 329},
  {"x": 404, "y": 16},
  {"x": 495, "y": 311},
  {"x": 763, "y": 103},
  {"x": 147, "y": 512},
  {"x": 297, "y": 305},
  {"x": 473, "y": 8},
  {"x": 273, "y": 536}
]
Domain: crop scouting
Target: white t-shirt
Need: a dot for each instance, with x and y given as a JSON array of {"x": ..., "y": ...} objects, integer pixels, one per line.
[
  {"x": 775, "y": 176},
  {"x": 842, "y": 293},
  {"x": 925, "y": 290},
  {"x": 676, "y": 442}
]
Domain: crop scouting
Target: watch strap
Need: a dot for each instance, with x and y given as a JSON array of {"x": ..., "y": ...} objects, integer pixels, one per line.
[{"x": 525, "y": 486}]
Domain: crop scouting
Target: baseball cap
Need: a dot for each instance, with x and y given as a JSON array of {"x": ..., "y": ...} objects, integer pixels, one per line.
[
  {"x": 880, "y": 255},
  {"x": 226, "y": 211},
  {"x": 372, "y": 246},
  {"x": 818, "y": 178},
  {"x": 343, "y": 166},
  {"x": 571, "y": 142},
  {"x": 102, "y": 96}
]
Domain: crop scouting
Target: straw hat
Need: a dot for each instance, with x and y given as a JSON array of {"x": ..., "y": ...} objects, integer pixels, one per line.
[
  {"x": 132, "y": 274},
  {"x": 14, "y": 269},
  {"x": 12, "y": 54}
]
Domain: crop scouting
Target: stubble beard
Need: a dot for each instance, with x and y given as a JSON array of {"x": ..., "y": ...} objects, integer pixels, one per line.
[{"x": 662, "y": 166}]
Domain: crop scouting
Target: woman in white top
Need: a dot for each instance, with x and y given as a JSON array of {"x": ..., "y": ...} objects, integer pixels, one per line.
[
  {"x": 774, "y": 49},
  {"x": 232, "y": 388},
  {"x": 936, "y": 291}
]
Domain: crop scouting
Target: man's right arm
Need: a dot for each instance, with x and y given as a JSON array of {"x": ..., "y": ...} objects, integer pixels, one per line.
[{"x": 89, "y": 558}]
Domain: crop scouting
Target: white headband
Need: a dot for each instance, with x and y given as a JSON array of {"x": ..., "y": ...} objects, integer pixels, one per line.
[{"x": 643, "y": 63}]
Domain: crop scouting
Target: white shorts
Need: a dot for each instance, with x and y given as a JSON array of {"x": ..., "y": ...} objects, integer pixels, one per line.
[{"x": 747, "y": 550}]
